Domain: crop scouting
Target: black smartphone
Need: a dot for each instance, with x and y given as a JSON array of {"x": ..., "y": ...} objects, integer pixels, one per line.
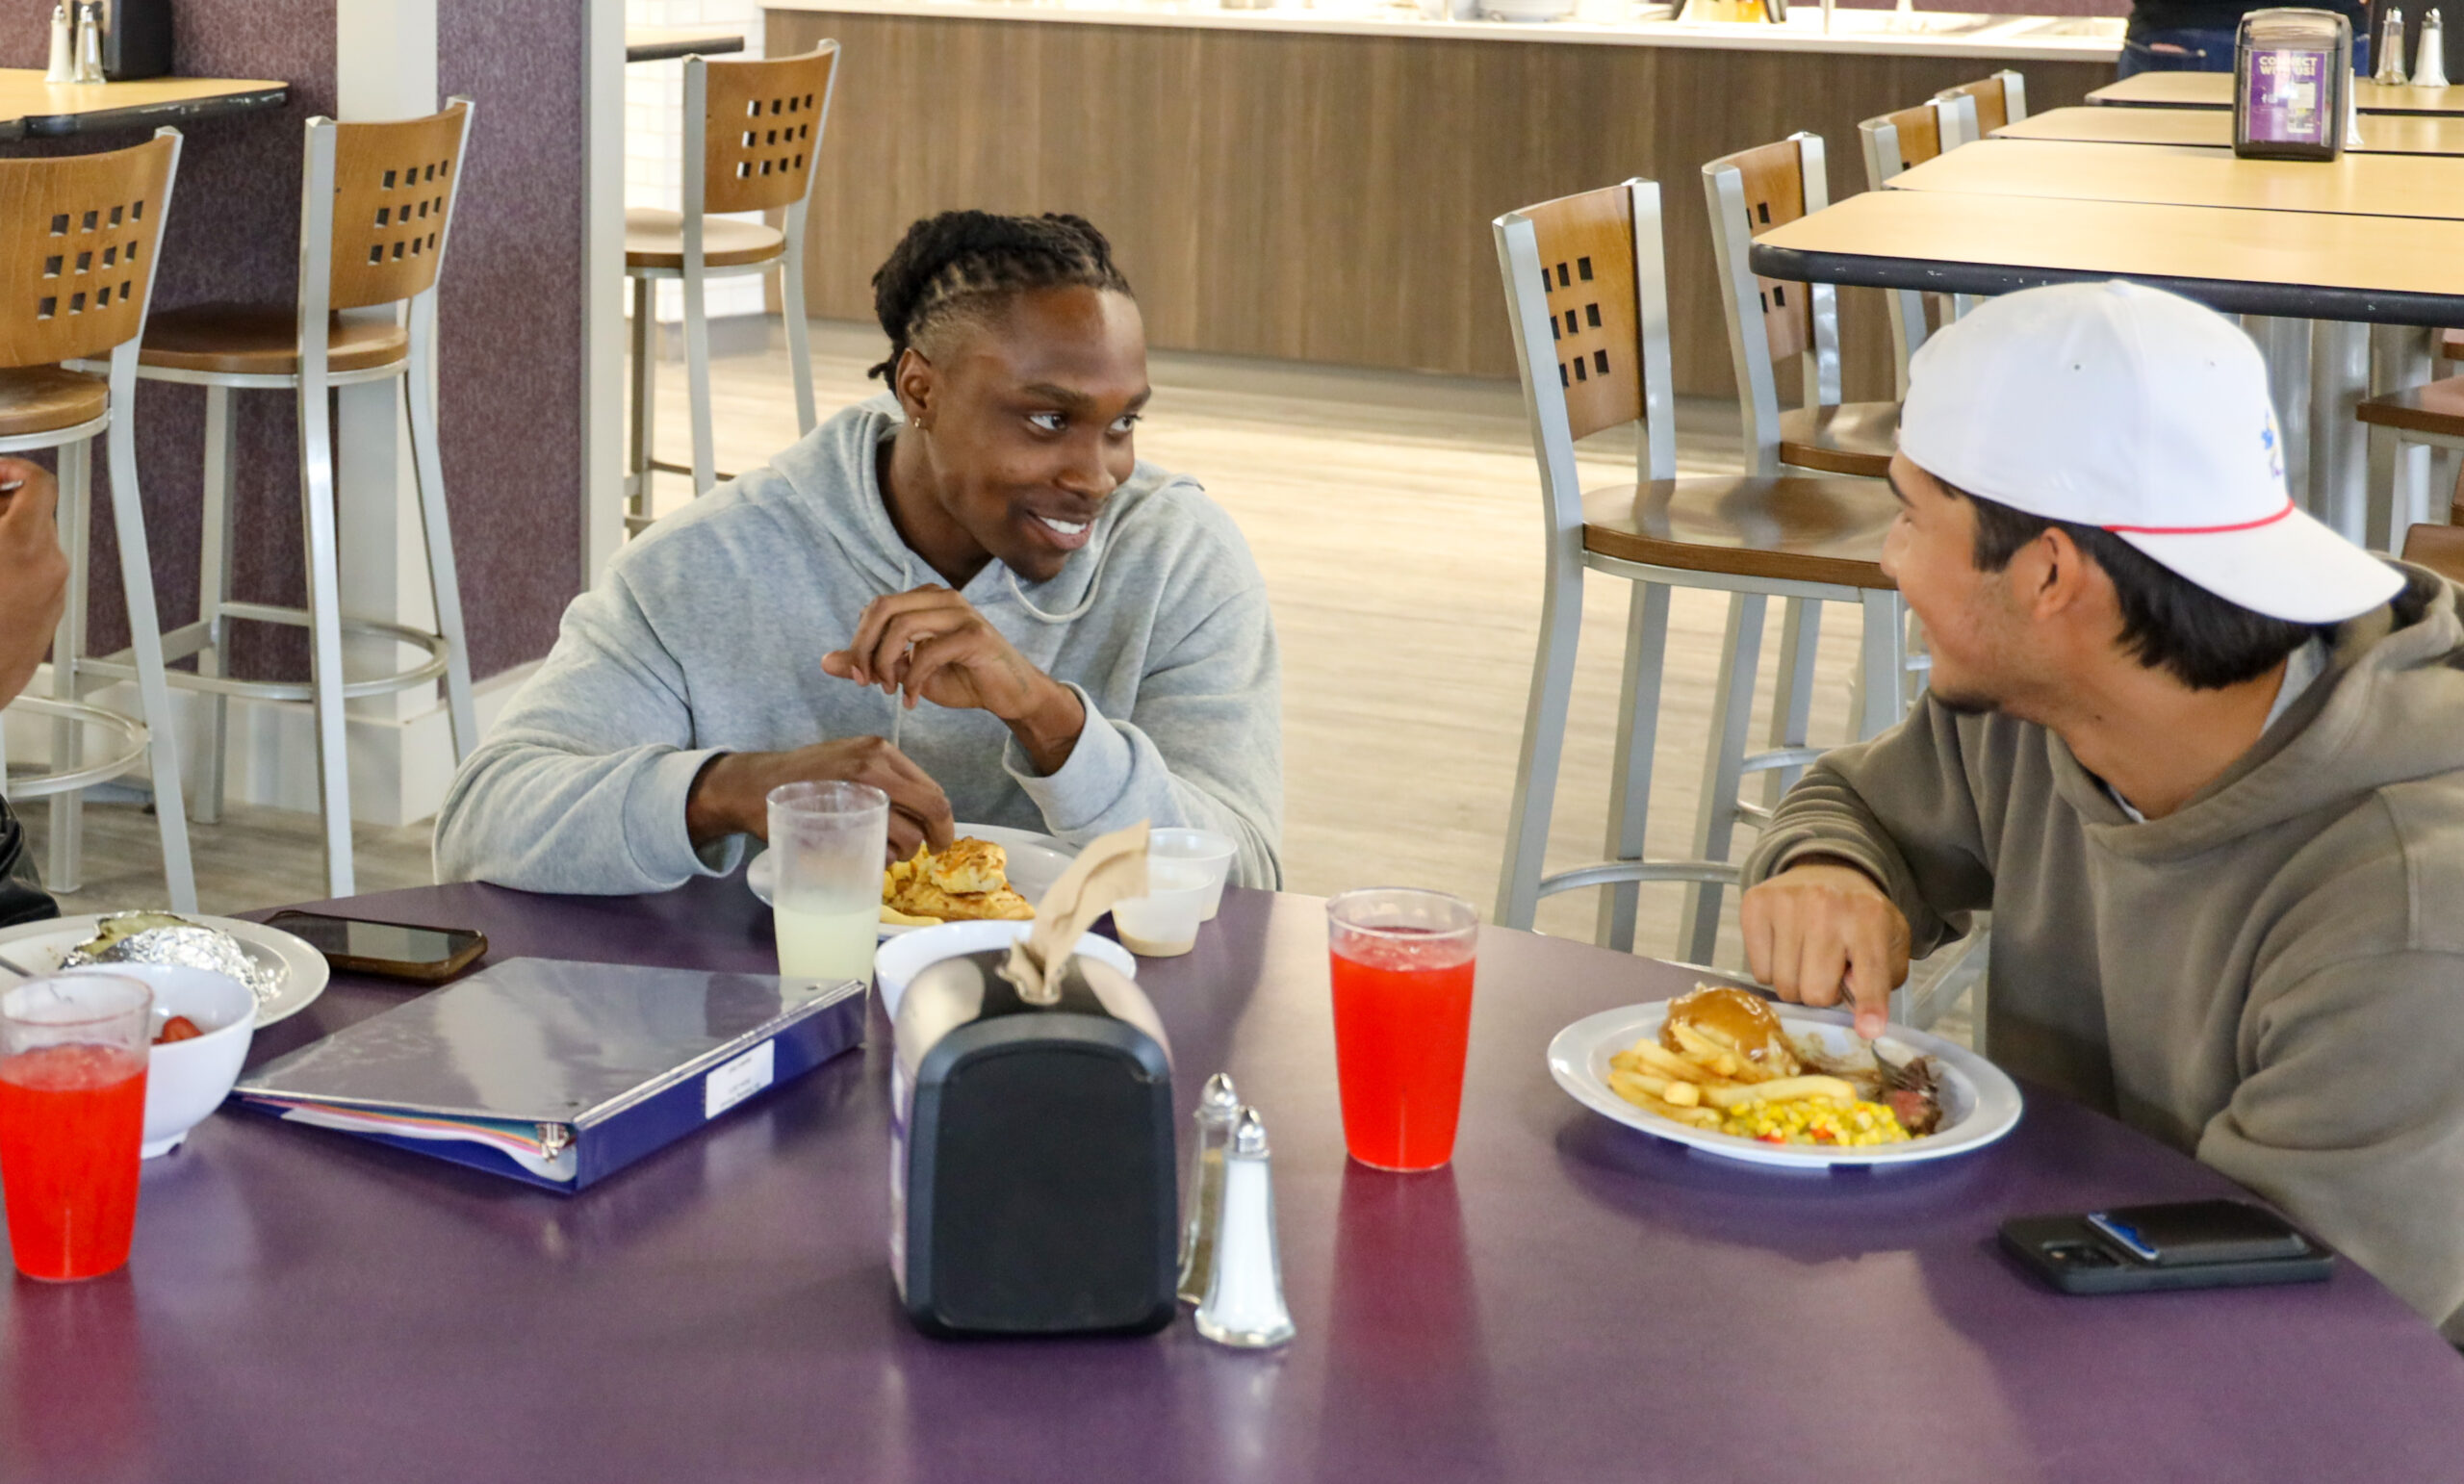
[
  {"x": 395, "y": 950},
  {"x": 2190, "y": 1244}
]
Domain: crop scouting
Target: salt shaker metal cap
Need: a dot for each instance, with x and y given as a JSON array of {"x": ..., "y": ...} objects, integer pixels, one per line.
[
  {"x": 2429, "y": 57},
  {"x": 1218, "y": 1109},
  {"x": 1244, "y": 1305},
  {"x": 2391, "y": 50}
]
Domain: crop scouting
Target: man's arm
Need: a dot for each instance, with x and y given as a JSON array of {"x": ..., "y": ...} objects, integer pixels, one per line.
[{"x": 2351, "y": 1116}]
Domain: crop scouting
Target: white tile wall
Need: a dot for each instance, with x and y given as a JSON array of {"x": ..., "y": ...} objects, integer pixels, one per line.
[{"x": 655, "y": 134}]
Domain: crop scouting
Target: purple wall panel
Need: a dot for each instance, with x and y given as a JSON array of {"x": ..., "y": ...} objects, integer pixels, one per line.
[
  {"x": 511, "y": 321},
  {"x": 510, "y": 317}
]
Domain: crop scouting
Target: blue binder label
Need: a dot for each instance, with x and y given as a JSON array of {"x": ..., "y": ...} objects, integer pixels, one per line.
[{"x": 731, "y": 1083}]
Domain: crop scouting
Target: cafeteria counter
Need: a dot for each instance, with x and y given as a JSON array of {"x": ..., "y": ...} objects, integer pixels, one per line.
[{"x": 1317, "y": 185}]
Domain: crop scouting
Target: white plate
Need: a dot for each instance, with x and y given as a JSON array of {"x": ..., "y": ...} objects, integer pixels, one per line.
[
  {"x": 300, "y": 970},
  {"x": 1035, "y": 862},
  {"x": 1980, "y": 1103}
]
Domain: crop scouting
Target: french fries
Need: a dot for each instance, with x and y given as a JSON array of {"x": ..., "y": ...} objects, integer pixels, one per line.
[{"x": 1706, "y": 1084}]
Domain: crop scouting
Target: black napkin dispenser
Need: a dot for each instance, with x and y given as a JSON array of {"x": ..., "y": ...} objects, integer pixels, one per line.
[{"x": 1032, "y": 1173}]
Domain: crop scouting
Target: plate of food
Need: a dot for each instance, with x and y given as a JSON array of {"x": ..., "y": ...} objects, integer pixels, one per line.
[
  {"x": 1729, "y": 1073},
  {"x": 284, "y": 973},
  {"x": 988, "y": 874}
]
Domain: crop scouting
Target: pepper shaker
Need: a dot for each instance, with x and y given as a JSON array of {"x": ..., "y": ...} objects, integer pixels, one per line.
[
  {"x": 89, "y": 41},
  {"x": 1219, "y": 1108},
  {"x": 2429, "y": 59},
  {"x": 2391, "y": 50},
  {"x": 63, "y": 47},
  {"x": 1244, "y": 1305}
]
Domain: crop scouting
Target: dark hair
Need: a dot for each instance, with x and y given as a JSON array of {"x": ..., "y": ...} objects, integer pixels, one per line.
[
  {"x": 957, "y": 260},
  {"x": 2168, "y": 622}
]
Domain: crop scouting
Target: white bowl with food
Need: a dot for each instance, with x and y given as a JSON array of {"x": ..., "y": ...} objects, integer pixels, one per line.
[
  {"x": 203, "y": 1023},
  {"x": 897, "y": 962},
  {"x": 1776, "y": 1083}
]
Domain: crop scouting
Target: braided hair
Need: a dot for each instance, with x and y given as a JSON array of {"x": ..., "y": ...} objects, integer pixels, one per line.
[{"x": 959, "y": 262}]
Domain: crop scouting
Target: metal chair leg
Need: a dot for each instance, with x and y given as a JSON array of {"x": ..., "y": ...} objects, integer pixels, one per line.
[
  {"x": 1881, "y": 663},
  {"x": 791, "y": 301},
  {"x": 145, "y": 635},
  {"x": 1544, "y": 735},
  {"x": 1793, "y": 703},
  {"x": 696, "y": 376},
  {"x": 1715, "y": 816},
  {"x": 1630, "y": 787},
  {"x": 213, "y": 589},
  {"x": 65, "y": 870},
  {"x": 444, "y": 586},
  {"x": 325, "y": 632},
  {"x": 638, "y": 476}
]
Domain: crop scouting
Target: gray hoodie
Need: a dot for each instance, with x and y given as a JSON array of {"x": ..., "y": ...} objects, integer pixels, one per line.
[
  {"x": 2271, "y": 977},
  {"x": 706, "y": 635}
]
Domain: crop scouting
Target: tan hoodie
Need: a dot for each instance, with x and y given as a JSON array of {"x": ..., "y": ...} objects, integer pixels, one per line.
[{"x": 2271, "y": 978}]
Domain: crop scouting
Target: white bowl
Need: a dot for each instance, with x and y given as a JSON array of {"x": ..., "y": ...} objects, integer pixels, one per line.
[
  {"x": 897, "y": 962},
  {"x": 187, "y": 1080},
  {"x": 1215, "y": 852}
]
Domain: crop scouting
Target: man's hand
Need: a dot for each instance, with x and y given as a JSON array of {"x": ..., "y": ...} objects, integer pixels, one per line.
[
  {"x": 930, "y": 645},
  {"x": 33, "y": 574},
  {"x": 731, "y": 794},
  {"x": 1821, "y": 924}
]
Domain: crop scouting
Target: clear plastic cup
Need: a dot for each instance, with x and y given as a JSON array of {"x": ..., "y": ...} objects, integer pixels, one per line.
[
  {"x": 1402, "y": 962},
  {"x": 72, "y": 1114},
  {"x": 825, "y": 907},
  {"x": 1164, "y": 923},
  {"x": 1201, "y": 847}
]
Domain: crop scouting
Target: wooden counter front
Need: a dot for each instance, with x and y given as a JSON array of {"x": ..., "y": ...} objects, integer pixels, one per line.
[{"x": 1325, "y": 198}]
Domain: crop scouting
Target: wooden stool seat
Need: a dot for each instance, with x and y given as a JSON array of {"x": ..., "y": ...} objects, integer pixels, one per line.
[
  {"x": 2452, "y": 345},
  {"x": 1850, "y": 438},
  {"x": 1789, "y": 529},
  {"x": 2438, "y": 547},
  {"x": 655, "y": 239},
  {"x": 2435, "y": 407},
  {"x": 261, "y": 340},
  {"x": 45, "y": 399}
]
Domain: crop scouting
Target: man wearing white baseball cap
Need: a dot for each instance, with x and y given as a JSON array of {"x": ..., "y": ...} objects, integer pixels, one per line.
[{"x": 2202, "y": 759}]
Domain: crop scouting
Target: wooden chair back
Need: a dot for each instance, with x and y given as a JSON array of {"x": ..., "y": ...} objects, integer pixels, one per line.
[
  {"x": 761, "y": 126},
  {"x": 1999, "y": 100},
  {"x": 1772, "y": 181},
  {"x": 2438, "y": 547},
  {"x": 392, "y": 200},
  {"x": 77, "y": 237},
  {"x": 1895, "y": 142},
  {"x": 1586, "y": 294}
]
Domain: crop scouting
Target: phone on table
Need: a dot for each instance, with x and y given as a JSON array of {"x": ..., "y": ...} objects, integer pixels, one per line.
[
  {"x": 395, "y": 950},
  {"x": 2189, "y": 1244}
]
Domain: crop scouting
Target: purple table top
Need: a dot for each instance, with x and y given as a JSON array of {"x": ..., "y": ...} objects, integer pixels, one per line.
[{"x": 1571, "y": 1299}]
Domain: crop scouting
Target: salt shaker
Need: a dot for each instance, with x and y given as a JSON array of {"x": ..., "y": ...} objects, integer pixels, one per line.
[
  {"x": 1244, "y": 1305},
  {"x": 63, "y": 47},
  {"x": 89, "y": 41},
  {"x": 1219, "y": 1108},
  {"x": 2429, "y": 59},
  {"x": 2391, "y": 50}
]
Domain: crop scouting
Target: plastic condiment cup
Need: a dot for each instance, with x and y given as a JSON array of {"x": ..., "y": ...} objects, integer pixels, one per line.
[
  {"x": 1200, "y": 847},
  {"x": 1164, "y": 923}
]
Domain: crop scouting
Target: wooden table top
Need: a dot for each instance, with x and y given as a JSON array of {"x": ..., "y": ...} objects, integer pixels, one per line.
[
  {"x": 31, "y": 108},
  {"x": 662, "y": 43},
  {"x": 2305, "y": 264},
  {"x": 2179, "y": 176},
  {"x": 2215, "y": 89},
  {"x": 2381, "y": 133}
]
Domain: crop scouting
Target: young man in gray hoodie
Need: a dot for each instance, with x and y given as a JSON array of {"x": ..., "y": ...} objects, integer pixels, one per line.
[
  {"x": 2201, "y": 757},
  {"x": 969, "y": 594}
]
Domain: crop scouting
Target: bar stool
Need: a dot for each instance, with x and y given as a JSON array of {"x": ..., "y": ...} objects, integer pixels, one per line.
[
  {"x": 77, "y": 252},
  {"x": 1997, "y": 101},
  {"x": 1586, "y": 291},
  {"x": 376, "y": 202},
  {"x": 2405, "y": 428},
  {"x": 751, "y": 131},
  {"x": 1895, "y": 141}
]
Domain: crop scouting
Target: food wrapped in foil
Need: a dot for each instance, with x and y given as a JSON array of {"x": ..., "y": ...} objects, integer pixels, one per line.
[{"x": 160, "y": 937}]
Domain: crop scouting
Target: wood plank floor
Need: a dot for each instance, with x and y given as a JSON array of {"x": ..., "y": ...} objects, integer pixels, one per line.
[{"x": 1396, "y": 521}]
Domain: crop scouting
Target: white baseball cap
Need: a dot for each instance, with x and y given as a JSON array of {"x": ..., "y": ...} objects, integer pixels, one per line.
[{"x": 2117, "y": 405}]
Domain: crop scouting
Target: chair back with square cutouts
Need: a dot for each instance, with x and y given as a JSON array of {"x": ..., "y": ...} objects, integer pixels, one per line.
[
  {"x": 1587, "y": 292},
  {"x": 393, "y": 187},
  {"x": 1749, "y": 194},
  {"x": 761, "y": 127},
  {"x": 1998, "y": 101},
  {"x": 1898, "y": 141},
  {"x": 77, "y": 237}
]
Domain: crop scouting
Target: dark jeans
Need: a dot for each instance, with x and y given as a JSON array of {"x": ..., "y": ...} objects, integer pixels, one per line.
[{"x": 2195, "y": 49}]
